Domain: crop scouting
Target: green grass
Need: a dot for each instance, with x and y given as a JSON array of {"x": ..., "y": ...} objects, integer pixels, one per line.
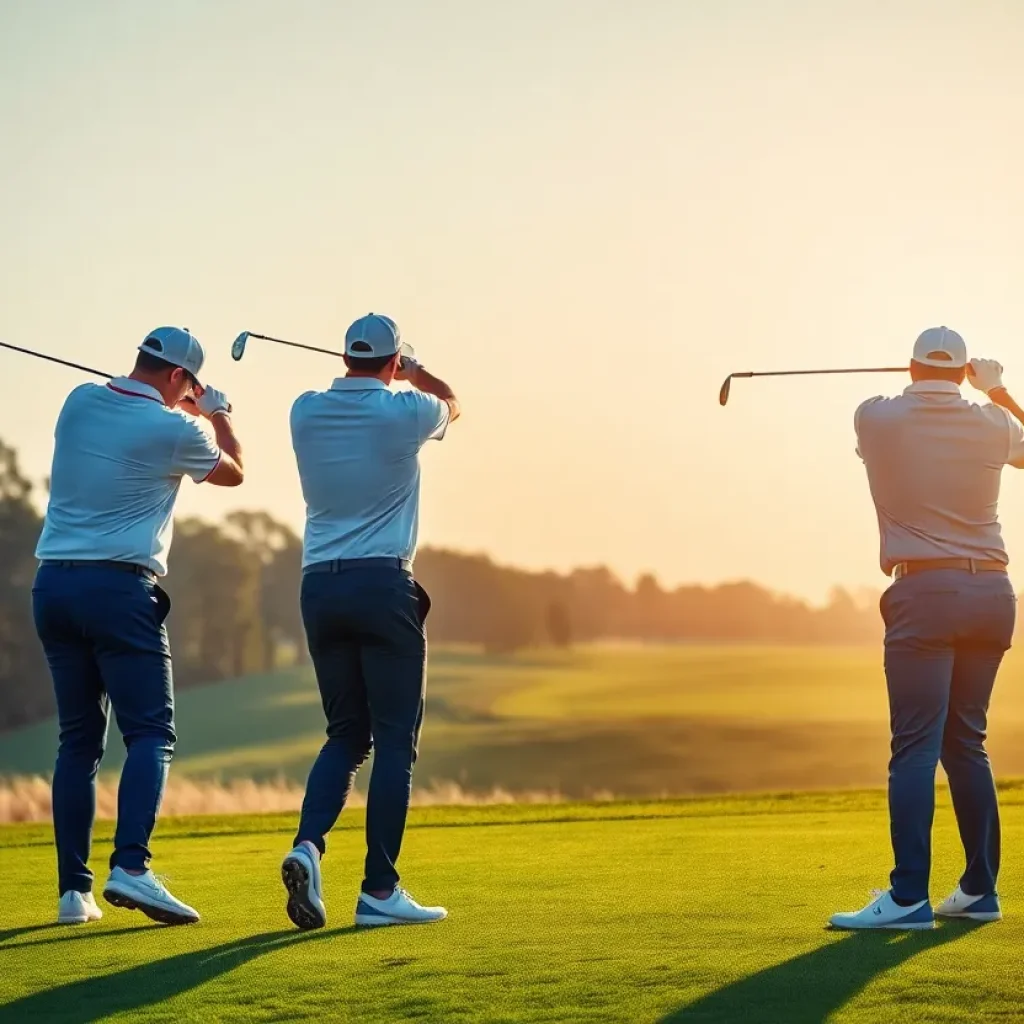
[
  {"x": 708, "y": 910},
  {"x": 632, "y": 721}
]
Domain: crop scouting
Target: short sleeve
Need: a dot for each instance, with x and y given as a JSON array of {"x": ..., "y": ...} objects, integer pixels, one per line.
[
  {"x": 1016, "y": 458},
  {"x": 430, "y": 414},
  {"x": 298, "y": 411},
  {"x": 1009, "y": 430},
  {"x": 196, "y": 455},
  {"x": 863, "y": 410}
]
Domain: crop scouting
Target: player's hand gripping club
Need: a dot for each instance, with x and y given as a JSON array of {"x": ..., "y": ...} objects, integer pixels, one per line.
[
  {"x": 206, "y": 402},
  {"x": 985, "y": 374}
]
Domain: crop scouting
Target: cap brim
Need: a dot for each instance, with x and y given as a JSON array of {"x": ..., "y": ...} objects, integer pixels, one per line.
[{"x": 403, "y": 350}]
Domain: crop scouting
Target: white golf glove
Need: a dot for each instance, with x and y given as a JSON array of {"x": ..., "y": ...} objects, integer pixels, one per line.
[
  {"x": 407, "y": 366},
  {"x": 212, "y": 401},
  {"x": 985, "y": 374}
]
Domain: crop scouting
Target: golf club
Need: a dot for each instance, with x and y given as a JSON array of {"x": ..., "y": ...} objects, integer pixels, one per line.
[
  {"x": 54, "y": 359},
  {"x": 238, "y": 345},
  {"x": 64, "y": 362},
  {"x": 723, "y": 395}
]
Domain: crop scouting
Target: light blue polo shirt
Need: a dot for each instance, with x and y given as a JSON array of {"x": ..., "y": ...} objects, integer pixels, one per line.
[
  {"x": 357, "y": 447},
  {"x": 118, "y": 461}
]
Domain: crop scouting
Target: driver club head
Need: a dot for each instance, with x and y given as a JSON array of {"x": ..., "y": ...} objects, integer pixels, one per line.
[
  {"x": 238, "y": 346},
  {"x": 723, "y": 395}
]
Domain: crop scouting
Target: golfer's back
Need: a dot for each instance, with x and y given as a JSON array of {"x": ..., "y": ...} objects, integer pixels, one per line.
[
  {"x": 357, "y": 448},
  {"x": 119, "y": 458},
  {"x": 934, "y": 464}
]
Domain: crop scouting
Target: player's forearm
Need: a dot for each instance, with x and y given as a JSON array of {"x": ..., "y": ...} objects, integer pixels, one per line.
[
  {"x": 1001, "y": 397},
  {"x": 425, "y": 381},
  {"x": 227, "y": 442}
]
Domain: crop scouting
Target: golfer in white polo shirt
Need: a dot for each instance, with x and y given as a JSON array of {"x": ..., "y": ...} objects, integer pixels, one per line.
[
  {"x": 357, "y": 447},
  {"x": 934, "y": 463},
  {"x": 121, "y": 451}
]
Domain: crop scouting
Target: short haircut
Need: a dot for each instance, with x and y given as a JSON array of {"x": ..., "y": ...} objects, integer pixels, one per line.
[
  {"x": 371, "y": 366},
  {"x": 953, "y": 374},
  {"x": 149, "y": 363}
]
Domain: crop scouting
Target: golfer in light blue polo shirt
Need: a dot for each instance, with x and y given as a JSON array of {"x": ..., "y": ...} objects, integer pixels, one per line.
[
  {"x": 121, "y": 452},
  {"x": 357, "y": 446}
]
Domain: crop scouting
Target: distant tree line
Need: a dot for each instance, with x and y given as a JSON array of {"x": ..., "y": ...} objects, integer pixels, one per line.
[
  {"x": 477, "y": 601},
  {"x": 234, "y": 588}
]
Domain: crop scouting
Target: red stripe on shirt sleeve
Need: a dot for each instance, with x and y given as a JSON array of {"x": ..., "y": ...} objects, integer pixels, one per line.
[{"x": 214, "y": 470}]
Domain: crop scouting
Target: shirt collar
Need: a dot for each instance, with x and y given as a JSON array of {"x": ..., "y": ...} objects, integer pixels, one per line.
[
  {"x": 359, "y": 384},
  {"x": 135, "y": 388},
  {"x": 933, "y": 387}
]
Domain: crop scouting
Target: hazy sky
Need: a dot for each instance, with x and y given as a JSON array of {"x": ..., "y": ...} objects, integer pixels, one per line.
[{"x": 582, "y": 213}]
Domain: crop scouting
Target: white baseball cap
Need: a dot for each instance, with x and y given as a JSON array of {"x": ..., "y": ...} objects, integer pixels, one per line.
[
  {"x": 175, "y": 345},
  {"x": 939, "y": 346},
  {"x": 375, "y": 336}
]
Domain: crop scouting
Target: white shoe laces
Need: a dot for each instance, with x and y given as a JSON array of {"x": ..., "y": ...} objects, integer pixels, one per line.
[{"x": 154, "y": 881}]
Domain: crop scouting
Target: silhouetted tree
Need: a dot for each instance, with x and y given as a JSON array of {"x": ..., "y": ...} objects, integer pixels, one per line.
[
  {"x": 214, "y": 584},
  {"x": 25, "y": 691},
  {"x": 278, "y": 552},
  {"x": 559, "y": 624}
]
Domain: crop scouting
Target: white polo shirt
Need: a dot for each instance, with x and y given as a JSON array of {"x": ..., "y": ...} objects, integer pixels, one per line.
[
  {"x": 118, "y": 461},
  {"x": 357, "y": 447},
  {"x": 934, "y": 464}
]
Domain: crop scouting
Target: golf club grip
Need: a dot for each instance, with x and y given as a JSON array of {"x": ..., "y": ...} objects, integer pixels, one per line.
[{"x": 54, "y": 359}]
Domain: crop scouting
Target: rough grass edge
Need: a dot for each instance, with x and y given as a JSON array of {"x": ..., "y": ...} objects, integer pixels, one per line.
[
  {"x": 27, "y": 798},
  {"x": 449, "y": 806}
]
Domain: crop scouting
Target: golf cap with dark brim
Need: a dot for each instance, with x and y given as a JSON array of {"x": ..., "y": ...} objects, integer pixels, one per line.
[
  {"x": 175, "y": 345},
  {"x": 941, "y": 347},
  {"x": 373, "y": 337}
]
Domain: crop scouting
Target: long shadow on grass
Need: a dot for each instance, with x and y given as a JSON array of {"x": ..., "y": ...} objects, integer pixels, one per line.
[
  {"x": 13, "y": 933},
  {"x": 809, "y": 988},
  {"x": 71, "y": 933},
  {"x": 91, "y": 999}
]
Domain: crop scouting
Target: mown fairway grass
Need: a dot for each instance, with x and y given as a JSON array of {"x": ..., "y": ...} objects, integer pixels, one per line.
[
  {"x": 687, "y": 911},
  {"x": 633, "y": 721}
]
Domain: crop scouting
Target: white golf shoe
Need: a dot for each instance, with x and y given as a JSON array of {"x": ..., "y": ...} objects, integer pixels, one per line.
[
  {"x": 300, "y": 873},
  {"x": 884, "y": 912},
  {"x": 970, "y": 908},
  {"x": 78, "y": 908},
  {"x": 147, "y": 893},
  {"x": 398, "y": 908}
]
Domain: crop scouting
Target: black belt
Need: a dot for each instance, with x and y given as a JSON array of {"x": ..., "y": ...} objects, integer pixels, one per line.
[
  {"x": 78, "y": 563},
  {"x": 341, "y": 564},
  {"x": 971, "y": 565}
]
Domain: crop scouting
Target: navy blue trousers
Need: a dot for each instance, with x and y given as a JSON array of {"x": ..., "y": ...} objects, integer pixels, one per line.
[
  {"x": 365, "y": 629},
  {"x": 946, "y": 634},
  {"x": 103, "y": 634}
]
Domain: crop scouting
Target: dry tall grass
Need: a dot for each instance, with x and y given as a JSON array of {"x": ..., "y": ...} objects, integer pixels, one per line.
[{"x": 27, "y": 798}]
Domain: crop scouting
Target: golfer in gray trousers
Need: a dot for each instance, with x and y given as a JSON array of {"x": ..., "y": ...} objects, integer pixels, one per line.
[{"x": 934, "y": 463}]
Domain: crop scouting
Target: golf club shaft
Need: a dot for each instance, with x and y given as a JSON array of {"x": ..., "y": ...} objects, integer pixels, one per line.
[
  {"x": 54, "y": 359},
  {"x": 294, "y": 344},
  {"x": 809, "y": 373},
  {"x": 723, "y": 395}
]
